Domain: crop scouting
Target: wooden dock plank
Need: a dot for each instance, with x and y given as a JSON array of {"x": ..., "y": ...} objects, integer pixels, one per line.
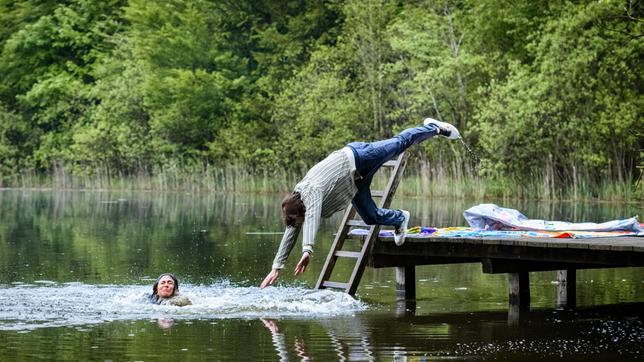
[
  {"x": 635, "y": 243},
  {"x": 620, "y": 245},
  {"x": 585, "y": 253},
  {"x": 336, "y": 285}
]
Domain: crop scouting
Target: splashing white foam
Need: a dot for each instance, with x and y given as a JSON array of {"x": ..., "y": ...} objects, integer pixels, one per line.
[{"x": 31, "y": 306}]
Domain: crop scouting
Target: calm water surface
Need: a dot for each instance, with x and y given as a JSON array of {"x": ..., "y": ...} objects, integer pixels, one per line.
[{"x": 75, "y": 266}]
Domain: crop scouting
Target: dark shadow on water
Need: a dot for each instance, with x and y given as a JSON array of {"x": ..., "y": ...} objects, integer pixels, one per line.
[{"x": 610, "y": 331}]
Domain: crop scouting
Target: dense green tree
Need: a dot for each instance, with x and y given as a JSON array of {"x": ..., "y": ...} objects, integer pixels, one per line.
[
  {"x": 576, "y": 110},
  {"x": 545, "y": 91},
  {"x": 47, "y": 67},
  {"x": 192, "y": 76},
  {"x": 365, "y": 34},
  {"x": 320, "y": 110},
  {"x": 116, "y": 137},
  {"x": 345, "y": 92},
  {"x": 14, "y": 142},
  {"x": 281, "y": 36},
  {"x": 438, "y": 74},
  {"x": 15, "y": 14}
]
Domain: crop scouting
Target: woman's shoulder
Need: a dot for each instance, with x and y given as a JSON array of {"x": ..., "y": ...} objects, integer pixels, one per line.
[
  {"x": 152, "y": 298},
  {"x": 176, "y": 300}
]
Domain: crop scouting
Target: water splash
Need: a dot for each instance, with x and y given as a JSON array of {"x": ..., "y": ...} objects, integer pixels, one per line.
[
  {"x": 31, "y": 306},
  {"x": 474, "y": 157}
]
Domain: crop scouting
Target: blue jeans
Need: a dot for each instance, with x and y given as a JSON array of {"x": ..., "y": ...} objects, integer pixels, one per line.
[{"x": 369, "y": 157}]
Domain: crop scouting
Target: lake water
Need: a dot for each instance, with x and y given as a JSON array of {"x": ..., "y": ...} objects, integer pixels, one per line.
[{"x": 75, "y": 267}]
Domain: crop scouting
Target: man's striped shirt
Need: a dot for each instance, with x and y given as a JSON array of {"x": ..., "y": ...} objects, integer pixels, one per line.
[{"x": 327, "y": 188}]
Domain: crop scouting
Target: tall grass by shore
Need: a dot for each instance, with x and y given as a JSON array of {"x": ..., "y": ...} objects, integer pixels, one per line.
[
  {"x": 506, "y": 188},
  {"x": 417, "y": 182},
  {"x": 228, "y": 179}
]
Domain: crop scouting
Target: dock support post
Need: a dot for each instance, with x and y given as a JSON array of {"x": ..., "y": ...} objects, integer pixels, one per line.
[
  {"x": 519, "y": 295},
  {"x": 406, "y": 282},
  {"x": 567, "y": 288},
  {"x": 519, "y": 285}
]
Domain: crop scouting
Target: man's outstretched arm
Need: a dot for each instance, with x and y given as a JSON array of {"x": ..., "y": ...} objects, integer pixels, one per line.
[
  {"x": 275, "y": 273},
  {"x": 286, "y": 245}
]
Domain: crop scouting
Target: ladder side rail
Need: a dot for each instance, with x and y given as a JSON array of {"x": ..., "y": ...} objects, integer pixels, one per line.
[
  {"x": 394, "y": 181},
  {"x": 390, "y": 190},
  {"x": 338, "y": 242},
  {"x": 360, "y": 264}
]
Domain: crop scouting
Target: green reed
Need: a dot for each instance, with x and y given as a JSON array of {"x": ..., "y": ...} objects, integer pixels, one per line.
[{"x": 418, "y": 181}]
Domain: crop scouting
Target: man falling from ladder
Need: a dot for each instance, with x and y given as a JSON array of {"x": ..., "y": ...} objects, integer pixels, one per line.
[{"x": 346, "y": 175}]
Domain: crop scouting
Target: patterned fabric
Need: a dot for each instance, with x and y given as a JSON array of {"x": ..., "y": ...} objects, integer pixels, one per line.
[
  {"x": 492, "y": 217},
  {"x": 468, "y": 232}
]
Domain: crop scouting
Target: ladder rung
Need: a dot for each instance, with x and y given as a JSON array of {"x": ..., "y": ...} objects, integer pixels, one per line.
[
  {"x": 359, "y": 223},
  {"x": 356, "y": 237},
  {"x": 397, "y": 166},
  {"x": 391, "y": 163},
  {"x": 330, "y": 284},
  {"x": 348, "y": 254}
]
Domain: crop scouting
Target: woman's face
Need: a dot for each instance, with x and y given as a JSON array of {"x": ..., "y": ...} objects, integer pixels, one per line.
[{"x": 165, "y": 288}]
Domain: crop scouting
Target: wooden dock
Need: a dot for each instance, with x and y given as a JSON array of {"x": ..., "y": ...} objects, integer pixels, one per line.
[{"x": 515, "y": 256}]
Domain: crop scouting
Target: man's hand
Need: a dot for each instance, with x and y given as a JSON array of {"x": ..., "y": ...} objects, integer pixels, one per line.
[
  {"x": 304, "y": 261},
  {"x": 270, "y": 278}
]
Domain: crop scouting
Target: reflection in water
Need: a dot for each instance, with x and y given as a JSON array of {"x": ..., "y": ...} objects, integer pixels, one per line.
[
  {"x": 101, "y": 237},
  {"x": 279, "y": 340},
  {"x": 121, "y": 237},
  {"x": 607, "y": 330},
  {"x": 305, "y": 324},
  {"x": 74, "y": 264},
  {"x": 165, "y": 323},
  {"x": 348, "y": 338}
]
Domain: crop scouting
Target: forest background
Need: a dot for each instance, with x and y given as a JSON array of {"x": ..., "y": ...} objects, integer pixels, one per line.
[{"x": 245, "y": 95}]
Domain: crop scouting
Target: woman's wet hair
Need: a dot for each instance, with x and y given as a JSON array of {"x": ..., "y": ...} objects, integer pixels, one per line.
[
  {"x": 292, "y": 207},
  {"x": 174, "y": 279}
]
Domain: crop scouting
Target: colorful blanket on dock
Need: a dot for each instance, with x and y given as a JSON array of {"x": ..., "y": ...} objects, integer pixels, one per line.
[
  {"x": 489, "y": 220},
  {"x": 492, "y": 217},
  {"x": 469, "y": 232}
]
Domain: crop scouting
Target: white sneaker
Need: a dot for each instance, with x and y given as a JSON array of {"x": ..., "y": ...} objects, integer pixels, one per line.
[
  {"x": 401, "y": 232},
  {"x": 446, "y": 129}
]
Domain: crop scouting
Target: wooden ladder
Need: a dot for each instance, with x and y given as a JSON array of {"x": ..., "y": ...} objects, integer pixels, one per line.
[{"x": 396, "y": 167}]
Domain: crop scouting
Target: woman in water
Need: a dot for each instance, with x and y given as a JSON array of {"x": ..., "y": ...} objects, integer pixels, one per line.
[{"x": 165, "y": 291}]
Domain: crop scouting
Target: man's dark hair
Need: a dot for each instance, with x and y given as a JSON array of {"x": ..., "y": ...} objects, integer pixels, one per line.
[
  {"x": 292, "y": 206},
  {"x": 156, "y": 284}
]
